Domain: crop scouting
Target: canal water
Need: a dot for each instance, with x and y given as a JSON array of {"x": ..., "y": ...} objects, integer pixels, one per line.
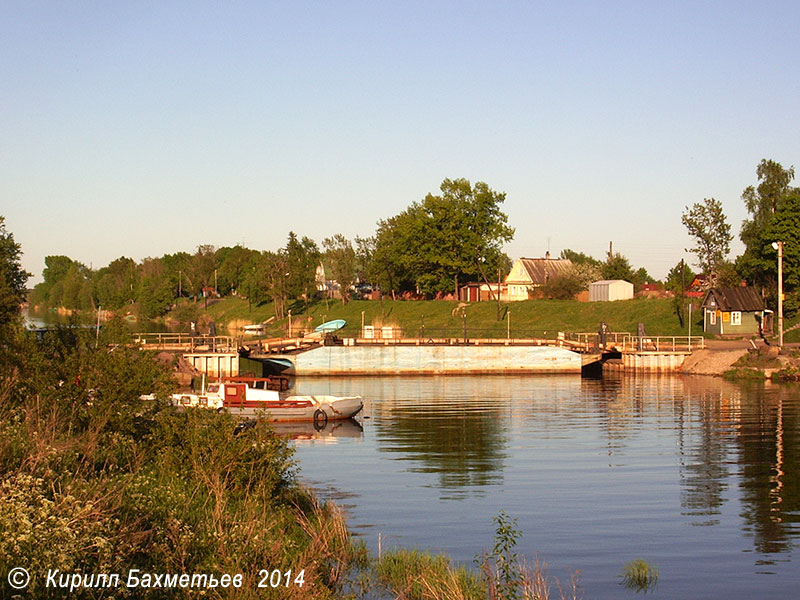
[{"x": 697, "y": 476}]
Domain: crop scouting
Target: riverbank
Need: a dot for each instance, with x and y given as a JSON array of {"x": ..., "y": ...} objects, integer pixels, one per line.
[{"x": 738, "y": 359}]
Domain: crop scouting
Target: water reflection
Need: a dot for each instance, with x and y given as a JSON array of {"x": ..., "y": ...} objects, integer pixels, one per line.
[{"x": 700, "y": 473}]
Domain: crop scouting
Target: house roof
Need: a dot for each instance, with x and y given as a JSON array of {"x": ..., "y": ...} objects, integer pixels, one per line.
[
  {"x": 541, "y": 270},
  {"x": 727, "y": 299},
  {"x": 607, "y": 281}
]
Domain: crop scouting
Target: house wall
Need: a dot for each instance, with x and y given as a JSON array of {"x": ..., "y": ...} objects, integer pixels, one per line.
[
  {"x": 724, "y": 325},
  {"x": 711, "y": 322},
  {"x": 517, "y": 283}
]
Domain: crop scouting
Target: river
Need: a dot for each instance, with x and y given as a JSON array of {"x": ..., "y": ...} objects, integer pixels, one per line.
[{"x": 698, "y": 476}]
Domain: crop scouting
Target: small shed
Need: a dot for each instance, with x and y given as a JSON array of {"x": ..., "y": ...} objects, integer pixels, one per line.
[
  {"x": 610, "y": 289},
  {"x": 735, "y": 311}
]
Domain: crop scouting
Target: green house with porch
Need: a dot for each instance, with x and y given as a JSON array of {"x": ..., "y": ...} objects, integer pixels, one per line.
[{"x": 735, "y": 311}]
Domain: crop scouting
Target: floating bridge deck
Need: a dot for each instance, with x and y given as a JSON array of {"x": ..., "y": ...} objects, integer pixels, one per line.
[{"x": 317, "y": 355}]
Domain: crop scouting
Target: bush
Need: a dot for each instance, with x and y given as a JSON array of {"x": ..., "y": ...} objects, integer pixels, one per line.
[{"x": 93, "y": 479}]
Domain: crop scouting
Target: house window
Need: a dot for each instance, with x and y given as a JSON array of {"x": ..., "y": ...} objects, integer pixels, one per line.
[
  {"x": 712, "y": 317},
  {"x": 736, "y": 318}
]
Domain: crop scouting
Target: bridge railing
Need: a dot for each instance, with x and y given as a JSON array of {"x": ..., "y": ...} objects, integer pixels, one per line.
[
  {"x": 662, "y": 343},
  {"x": 185, "y": 341},
  {"x": 593, "y": 340}
]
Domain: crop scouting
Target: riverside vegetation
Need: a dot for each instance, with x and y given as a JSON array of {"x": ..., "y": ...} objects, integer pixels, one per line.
[{"x": 95, "y": 479}]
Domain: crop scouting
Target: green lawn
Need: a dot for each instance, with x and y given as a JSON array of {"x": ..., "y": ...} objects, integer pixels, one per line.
[{"x": 523, "y": 319}]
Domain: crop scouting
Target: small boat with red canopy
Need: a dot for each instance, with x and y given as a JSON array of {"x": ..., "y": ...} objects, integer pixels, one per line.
[{"x": 262, "y": 397}]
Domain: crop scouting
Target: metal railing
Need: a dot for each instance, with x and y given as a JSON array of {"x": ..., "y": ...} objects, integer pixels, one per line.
[
  {"x": 186, "y": 341},
  {"x": 662, "y": 343}
]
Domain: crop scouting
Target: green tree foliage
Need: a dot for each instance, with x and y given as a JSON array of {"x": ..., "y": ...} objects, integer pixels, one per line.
[
  {"x": 95, "y": 479},
  {"x": 55, "y": 271},
  {"x": 765, "y": 199},
  {"x": 12, "y": 276},
  {"x": 785, "y": 227},
  {"x": 201, "y": 269},
  {"x": 392, "y": 265},
  {"x": 115, "y": 285},
  {"x": 774, "y": 208},
  {"x": 579, "y": 258},
  {"x": 340, "y": 263},
  {"x": 66, "y": 283},
  {"x": 255, "y": 284},
  {"x": 618, "y": 267},
  {"x": 678, "y": 279},
  {"x": 177, "y": 267},
  {"x": 155, "y": 288},
  {"x": 563, "y": 288},
  {"x": 302, "y": 259},
  {"x": 707, "y": 224},
  {"x": 232, "y": 268},
  {"x": 365, "y": 249},
  {"x": 444, "y": 240}
]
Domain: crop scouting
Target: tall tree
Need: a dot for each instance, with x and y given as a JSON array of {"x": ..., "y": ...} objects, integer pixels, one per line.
[
  {"x": 115, "y": 285},
  {"x": 446, "y": 239},
  {"x": 618, "y": 267},
  {"x": 232, "y": 263},
  {"x": 707, "y": 224},
  {"x": 769, "y": 203},
  {"x": 580, "y": 258},
  {"x": 765, "y": 199},
  {"x": 302, "y": 256},
  {"x": 340, "y": 261},
  {"x": 155, "y": 291},
  {"x": 12, "y": 276},
  {"x": 201, "y": 268}
]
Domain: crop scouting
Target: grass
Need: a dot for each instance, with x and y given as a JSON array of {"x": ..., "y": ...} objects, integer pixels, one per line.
[
  {"x": 439, "y": 318},
  {"x": 94, "y": 479},
  {"x": 744, "y": 374},
  {"x": 639, "y": 575}
]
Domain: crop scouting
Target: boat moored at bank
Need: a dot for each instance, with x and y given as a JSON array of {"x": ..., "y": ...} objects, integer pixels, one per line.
[{"x": 252, "y": 397}]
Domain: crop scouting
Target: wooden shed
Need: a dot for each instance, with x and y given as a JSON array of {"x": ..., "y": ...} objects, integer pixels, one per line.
[{"x": 735, "y": 311}]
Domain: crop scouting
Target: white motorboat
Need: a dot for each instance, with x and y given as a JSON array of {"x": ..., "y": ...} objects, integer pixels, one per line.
[{"x": 251, "y": 397}]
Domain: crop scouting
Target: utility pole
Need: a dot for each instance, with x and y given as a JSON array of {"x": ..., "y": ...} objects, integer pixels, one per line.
[{"x": 779, "y": 247}]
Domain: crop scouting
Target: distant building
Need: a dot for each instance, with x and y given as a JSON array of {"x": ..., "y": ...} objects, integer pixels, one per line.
[
  {"x": 529, "y": 274},
  {"x": 609, "y": 290},
  {"x": 652, "y": 290},
  {"x": 698, "y": 286},
  {"x": 735, "y": 311},
  {"x": 480, "y": 292}
]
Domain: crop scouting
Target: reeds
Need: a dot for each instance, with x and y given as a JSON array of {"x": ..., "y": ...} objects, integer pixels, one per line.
[{"x": 639, "y": 575}]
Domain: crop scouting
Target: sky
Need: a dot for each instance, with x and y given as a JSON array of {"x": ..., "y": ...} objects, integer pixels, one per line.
[{"x": 144, "y": 128}]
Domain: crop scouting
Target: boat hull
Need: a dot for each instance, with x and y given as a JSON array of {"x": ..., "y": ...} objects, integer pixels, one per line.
[
  {"x": 319, "y": 409},
  {"x": 312, "y": 409}
]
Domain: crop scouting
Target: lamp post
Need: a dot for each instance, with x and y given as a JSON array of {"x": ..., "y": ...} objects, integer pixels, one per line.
[{"x": 779, "y": 247}]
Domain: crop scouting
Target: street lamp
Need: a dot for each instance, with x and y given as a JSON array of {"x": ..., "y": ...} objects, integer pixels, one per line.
[{"x": 779, "y": 247}]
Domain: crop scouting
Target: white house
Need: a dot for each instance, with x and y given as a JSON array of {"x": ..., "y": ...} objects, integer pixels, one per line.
[{"x": 528, "y": 274}]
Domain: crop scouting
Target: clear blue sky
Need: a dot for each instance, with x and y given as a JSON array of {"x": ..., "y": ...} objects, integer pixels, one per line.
[{"x": 144, "y": 128}]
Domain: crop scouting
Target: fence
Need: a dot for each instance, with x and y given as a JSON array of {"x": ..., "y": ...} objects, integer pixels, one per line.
[{"x": 185, "y": 341}]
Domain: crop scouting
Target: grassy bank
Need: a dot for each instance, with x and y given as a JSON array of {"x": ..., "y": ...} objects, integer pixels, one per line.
[
  {"x": 444, "y": 318},
  {"x": 96, "y": 480}
]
